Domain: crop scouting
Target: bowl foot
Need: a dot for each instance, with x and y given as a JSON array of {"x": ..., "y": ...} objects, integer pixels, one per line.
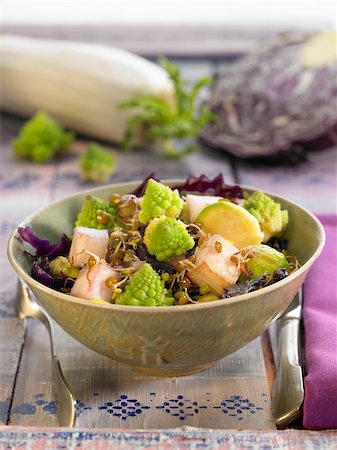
[{"x": 179, "y": 372}]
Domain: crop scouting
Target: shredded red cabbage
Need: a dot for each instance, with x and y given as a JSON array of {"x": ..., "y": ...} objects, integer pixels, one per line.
[
  {"x": 205, "y": 185},
  {"x": 199, "y": 185},
  {"x": 42, "y": 246},
  {"x": 41, "y": 272},
  {"x": 244, "y": 287},
  {"x": 140, "y": 190},
  {"x": 159, "y": 266}
]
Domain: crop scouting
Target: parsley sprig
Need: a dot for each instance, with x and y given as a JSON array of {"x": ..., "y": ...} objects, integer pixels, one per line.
[{"x": 163, "y": 122}]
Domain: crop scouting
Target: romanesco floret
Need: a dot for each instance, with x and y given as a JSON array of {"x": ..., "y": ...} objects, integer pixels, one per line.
[
  {"x": 159, "y": 199},
  {"x": 285, "y": 219},
  {"x": 271, "y": 218},
  {"x": 145, "y": 288},
  {"x": 166, "y": 237},
  {"x": 96, "y": 213},
  {"x": 41, "y": 138},
  {"x": 97, "y": 164}
]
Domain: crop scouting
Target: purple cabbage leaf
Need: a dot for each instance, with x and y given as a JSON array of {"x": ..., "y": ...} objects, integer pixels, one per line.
[
  {"x": 140, "y": 190},
  {"x": 244, "y": 287},
  {"x": 41, "y": 272},
  {"x": 207, "y": 186},
  {"x": 43, "y": 247},
  {"x": 198, "y": 185},
  {"x": 159, "y": 266}
]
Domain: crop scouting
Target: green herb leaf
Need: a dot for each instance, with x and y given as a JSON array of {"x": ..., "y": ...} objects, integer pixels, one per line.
[{"x": 162, "y": 122}]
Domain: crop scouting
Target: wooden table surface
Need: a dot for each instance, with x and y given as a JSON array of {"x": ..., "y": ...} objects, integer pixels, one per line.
[{"x": 231, "y": 395}]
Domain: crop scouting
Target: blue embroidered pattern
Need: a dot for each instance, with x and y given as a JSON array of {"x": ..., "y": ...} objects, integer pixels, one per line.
[
  {"x": 180, "y": 407},
  {"x": 237, "y": 406},
  {"x": 124, "y": 407}
]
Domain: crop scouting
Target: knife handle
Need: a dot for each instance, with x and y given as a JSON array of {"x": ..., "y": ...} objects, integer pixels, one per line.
[{"x": 288, "y": 390}]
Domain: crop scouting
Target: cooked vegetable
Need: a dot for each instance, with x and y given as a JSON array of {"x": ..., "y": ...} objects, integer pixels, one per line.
[
  {"x": 98, "y": 300},
  {"x": 264, "y": 260},
  {"x": 80, "y": 84},
  {"x": 145, "y": 288},
  {"x": 163, "y": 121},
  {"x": 273, "y": 221},
  {"x": 87, "y": 242},
  {"x": 97, "y": 164},
  {"x": 96, "y": 213},
  {"x": 61, "y": 267},
  {"x": 279, "y": 96},
  {"x": 42, "y": 246},
  {"x": 91, "y": 281},
  {"x": 196, "y": 203},
  {"x": 207, "y": 298},
  {"x": 159, "y": 199},
  {"x": 213, "y": 265},
  {"x": 41, "y": 272},
  {"x": 41, "y": 138},
  {"x": 232, "y": 222},
  {"x": 243, "y": 287},
  {"x": 166, "y": 237}
]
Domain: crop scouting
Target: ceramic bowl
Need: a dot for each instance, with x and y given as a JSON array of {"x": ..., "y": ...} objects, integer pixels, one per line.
[{"x": 174, "y": 340}]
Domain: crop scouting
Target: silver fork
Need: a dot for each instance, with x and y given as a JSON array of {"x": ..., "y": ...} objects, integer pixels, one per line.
[
  {"x": 288, "y": 390},
  {"x": 65, "y": 400}
]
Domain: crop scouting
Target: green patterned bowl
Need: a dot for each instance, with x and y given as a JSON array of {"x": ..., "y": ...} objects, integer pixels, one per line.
[{"x": 174, "y": 340}]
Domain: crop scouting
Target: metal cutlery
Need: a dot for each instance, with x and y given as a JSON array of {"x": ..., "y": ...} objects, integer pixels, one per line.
[
  {"x": 65, "y": 400},
  {"x": 288, "y": 390}
]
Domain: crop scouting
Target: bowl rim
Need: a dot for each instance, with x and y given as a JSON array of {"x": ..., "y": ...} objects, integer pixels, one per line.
[{"x": 152, "y": 309}]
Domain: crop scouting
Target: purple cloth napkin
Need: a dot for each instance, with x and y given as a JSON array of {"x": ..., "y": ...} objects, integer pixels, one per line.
[{"x": 320, "y": 324}]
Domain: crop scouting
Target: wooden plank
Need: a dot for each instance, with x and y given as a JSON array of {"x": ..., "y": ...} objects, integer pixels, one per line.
[
  {"x": 20, "y": 178},
  {"x": 34, "y": 379},
  {"x": 184, "y": 439},
  {"x": 152, "y": 41},
  {"x": 11, "y": 331},
  {"x": 23, "y": 188},
  {"x": 312, "y": 184},
  {"x": 11, "y": 340},
  {"x": 17, "y": 199},
  {"x": 139, "y": 164},
  {"x": 230, "y": 394}
]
